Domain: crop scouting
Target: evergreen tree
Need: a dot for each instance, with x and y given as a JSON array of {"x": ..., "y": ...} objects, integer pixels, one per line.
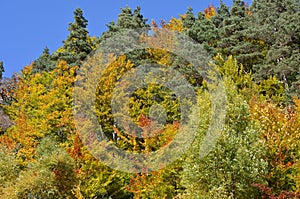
[
  {"x": 225, "y": 33},
  {"x": 44, "y": 62},
  {"x": 222, "y": 14},
  {"x": 126, "y": 20},
  {"x": 1, "y": 69},
  {"x": 78, "y": 44},
  {"x": 231, "y": 32},
  {"x": 188, "y": 19},
  {"x": 277, "y": 24},
  {"x": 131, "y": 20},
  {"x": 202, "y": 30}
]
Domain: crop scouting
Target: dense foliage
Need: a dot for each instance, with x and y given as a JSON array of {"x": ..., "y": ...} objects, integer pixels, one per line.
[{"x": 256, "y": 50}]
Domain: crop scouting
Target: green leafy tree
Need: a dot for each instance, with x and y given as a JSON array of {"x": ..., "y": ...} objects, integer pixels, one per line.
[
  {"x": 51, "y": 175},
  {"x": 231, "y": 167},
  {"x": 99, "y": 181},
  {"x": 9, "y": 168}
]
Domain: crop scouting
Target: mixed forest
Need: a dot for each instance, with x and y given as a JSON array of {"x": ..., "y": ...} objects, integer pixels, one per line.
[{"x": 256, "y": 50}]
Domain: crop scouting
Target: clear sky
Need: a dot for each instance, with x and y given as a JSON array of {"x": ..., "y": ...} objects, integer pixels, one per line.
[{"x": 28, "y": 26}]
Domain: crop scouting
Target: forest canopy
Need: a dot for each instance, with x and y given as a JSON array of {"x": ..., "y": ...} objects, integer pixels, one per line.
[{"x": 254, "y": 49}]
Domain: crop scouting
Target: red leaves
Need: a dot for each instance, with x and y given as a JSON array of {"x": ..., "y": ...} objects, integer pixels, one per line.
[
  {"x": 144, "y": 121},
  {"x": 280, "y": 131},
  {"x": 75, "y": 151},
  {"x": 267, "y": 193},
  {"x": 142, "y": 183},
  {"x": 209, "y": 12}
]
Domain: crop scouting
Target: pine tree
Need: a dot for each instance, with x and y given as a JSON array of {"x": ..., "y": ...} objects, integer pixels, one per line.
[
  {"x": 78, "y": 44},
  {"x": 126, "y": 20},
  {"x": 131, "y": 20},
  {"x": 277, "y": 24},
  {"x": 1, "y": 69},
  {"x": 222, "y": 14},
  {"x": 44, "y": 62},
  {"x": 203, "y": 31},
  {"x": 188, "y": 18},
  {"x": 230, "y": 31}
]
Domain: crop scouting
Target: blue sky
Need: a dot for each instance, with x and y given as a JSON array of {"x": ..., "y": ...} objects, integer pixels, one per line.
[{"x": 28, "y": 26}]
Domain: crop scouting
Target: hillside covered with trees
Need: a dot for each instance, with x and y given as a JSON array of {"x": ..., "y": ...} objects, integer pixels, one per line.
[{"x": 255, "y": 49}]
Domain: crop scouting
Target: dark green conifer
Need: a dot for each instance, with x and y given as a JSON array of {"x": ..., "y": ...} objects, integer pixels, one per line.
[
  {"x": 204, "y": 32},
  {"x": 189, "y": 19},
  {"x": 277, "y": 24},
  {"x": 44, "y": 62},
  {"x": 126, "y": 20},
  {"x": 1, "y": 69},
  {"x": 222, "y": 14},
  {"x": 230, "y": 30},
  {"x": 77, "y": 46}
]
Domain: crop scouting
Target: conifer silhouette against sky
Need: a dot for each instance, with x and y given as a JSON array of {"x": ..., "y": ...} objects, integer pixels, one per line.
[{"x": 27, "y": 27}]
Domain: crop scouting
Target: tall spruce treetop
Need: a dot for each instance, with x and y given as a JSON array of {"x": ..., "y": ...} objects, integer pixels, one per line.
[
  {"x": 127, "y": 19},
  {"x": 1, "y": 69},
  {"x": 188, "y": 19},
  {"x": 238, "y": 8},
  {"x": 78, "y": 45},
  {"x": 201, "y": 30},
  {"x": 233, "y": 23},
  {"x": 233, "y": 36},
  {"x": 132, "y": 20},
  {"x": 139, "y": 19},
  {"x": 222, "y": 14},
  {"x": 277, "y": 23},
  {"x": 44, "y": 62}
]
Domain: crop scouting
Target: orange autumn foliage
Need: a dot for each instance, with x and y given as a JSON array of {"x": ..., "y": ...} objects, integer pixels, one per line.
[{"x": 209, "y": 12}]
